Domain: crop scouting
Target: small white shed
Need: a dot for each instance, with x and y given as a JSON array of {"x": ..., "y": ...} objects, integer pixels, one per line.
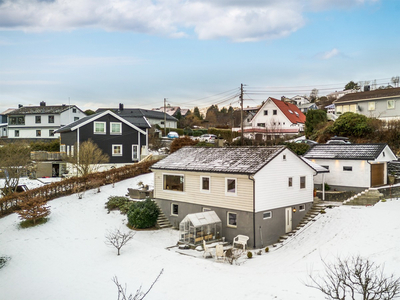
[{"x": 195, "y": 228}]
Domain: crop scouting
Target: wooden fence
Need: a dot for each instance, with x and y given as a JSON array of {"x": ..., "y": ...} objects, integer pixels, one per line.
[{"x": 74, "y": 185}]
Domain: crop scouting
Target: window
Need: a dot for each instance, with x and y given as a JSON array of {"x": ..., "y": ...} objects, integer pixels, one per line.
[
  {"x": 76, "y": 119},
  {"x": 260, "y": 124},
  {"x": 205, "y": 184},
  {"x": 231, "y": 187},
  {"x": 174, "y": 209},
  {"x": 38, "y": 119},
  {"x": 68, "y": 150},
  {"x": 38, "y": 133},
  {"x": 231, "y": 219},
  {"x": 302, "y": 207},
  {"x": 265, "y": 112},
  {"x": 99, "y": 127},
  {"x": 284, "y": 156},
  {"x": 62, "y": 148},
  {"x": 290, "y": 182},
  {"x": 267, "y": 215},
  {"x": 173, "y": 182},
  {"x": 206, "y": 209},
  {"x": 274, "y": 112},
  {"x": 116, "y": 150},
  {"x": 353, "y": 108},
  {"x": 72, "y": 150},
  {"x": 115, "y": 128},
  {"x": 74, "y": 110},
  {"x": 390, "y": 104},
  {"x": 371, "y": 105},
  {"x": 339, "y": 109},
  {"x": 51, "y": 119},
  {"x": 16, "y": 133},
  {"x": 51, "y": 132},
  {"x": 17, "y": 120},
  {"x": 135, "y": 152},
  {"x": 290, "y": 111},
  {"x": 303, "y": 182},
  {"x": 347, "y": 168}
]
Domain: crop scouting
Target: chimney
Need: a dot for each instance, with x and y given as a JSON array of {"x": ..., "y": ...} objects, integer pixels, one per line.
[
  {"x": 42, "y": 103},
  {"x": 121, "y": 106},
  {"x": 20, "y": 105}
]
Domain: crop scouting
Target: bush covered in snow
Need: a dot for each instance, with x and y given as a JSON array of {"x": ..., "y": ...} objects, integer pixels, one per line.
[{"x": 143, "y": 214}]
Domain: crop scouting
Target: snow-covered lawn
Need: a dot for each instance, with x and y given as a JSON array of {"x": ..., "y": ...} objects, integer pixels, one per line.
[{"x": 66, "y": 258}]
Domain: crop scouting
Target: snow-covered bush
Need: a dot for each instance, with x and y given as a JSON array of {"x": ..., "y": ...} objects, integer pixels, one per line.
[{"x": 143, "y": 214}]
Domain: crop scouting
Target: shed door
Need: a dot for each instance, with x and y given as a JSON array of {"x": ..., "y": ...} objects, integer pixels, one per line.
[{"x": 377, "y": 174}]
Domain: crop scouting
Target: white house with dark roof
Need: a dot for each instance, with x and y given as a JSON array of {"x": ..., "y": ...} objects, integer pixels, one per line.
[
  {"x": 39, "y": 122},
  {"x": 261, "y": 192},
  {"x": 352, "y": 167}
]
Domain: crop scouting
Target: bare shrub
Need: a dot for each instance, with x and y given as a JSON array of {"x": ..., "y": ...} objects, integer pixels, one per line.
[
  {"x": 118, "y": 239},
  {"x": 355, "y": 278},
  {"x": 33, "y": 208}
]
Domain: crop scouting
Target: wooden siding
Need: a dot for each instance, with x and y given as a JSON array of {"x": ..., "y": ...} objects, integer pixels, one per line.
[
  {"x": 272, "y": 190},
  {"x": 216, "y": 197}
]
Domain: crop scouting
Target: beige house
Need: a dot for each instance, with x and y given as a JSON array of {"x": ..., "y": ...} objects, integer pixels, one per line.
[{"x": 261, "y": 192}]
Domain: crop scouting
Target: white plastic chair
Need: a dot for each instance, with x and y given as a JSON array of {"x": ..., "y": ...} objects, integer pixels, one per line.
[
  {"x": 206, "y": 249},
  {"x": 219, "y": 253}
]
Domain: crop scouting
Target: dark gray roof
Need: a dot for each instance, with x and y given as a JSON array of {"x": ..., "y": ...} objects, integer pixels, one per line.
[
  {"x": 28, "y": 110},
  {"x": 245, "y": 160},
  {"x": 345, "y": 151},
  {"x": 137, "y": 121},
  {"x": 360, "y": 96},
  {"x": 139, "y": 112}
]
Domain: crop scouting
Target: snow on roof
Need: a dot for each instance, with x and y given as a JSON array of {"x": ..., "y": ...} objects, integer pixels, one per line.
[
  {"x": 244, "y": 160},
  {"x": 202, "y": 218},
  {"x": 345, "y": 151}
]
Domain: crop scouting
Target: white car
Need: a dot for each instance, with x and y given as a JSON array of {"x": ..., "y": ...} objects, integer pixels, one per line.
[{"x": 208, "y": 138}]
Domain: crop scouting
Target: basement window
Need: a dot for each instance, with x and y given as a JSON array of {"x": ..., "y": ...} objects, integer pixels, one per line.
[
  {"x": 302, "y": 207},
  {"x": 267, "y": 215},
  {"x": 174, "y": 209},
  {"x": 347, "y": 168}
]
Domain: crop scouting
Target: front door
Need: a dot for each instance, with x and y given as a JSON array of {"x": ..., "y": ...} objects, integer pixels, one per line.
[
  {"x": 377, "y": 174},
  {"x": 288, "y": 219}
]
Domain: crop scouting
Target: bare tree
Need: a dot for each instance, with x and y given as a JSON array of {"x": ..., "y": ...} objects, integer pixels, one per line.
[
  {"x": 88, "y": 158},
  {"x": 14, "y": 159},
  {"x": 356, "y": 278},
  {"x": 395, "y": 80},
  {"x": 118, "y": 239},
  {"x": 139, "y": 295},
  {"x": 314, "y": 95}
]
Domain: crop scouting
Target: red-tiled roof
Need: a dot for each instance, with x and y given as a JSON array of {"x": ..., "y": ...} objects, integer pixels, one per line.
[{"x": 291, "y": 111}]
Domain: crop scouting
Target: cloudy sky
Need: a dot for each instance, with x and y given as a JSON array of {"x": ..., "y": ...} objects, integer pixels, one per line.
[{"x": 98, "y": 53}]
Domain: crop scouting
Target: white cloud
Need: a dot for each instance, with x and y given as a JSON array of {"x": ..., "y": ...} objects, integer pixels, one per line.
[
  {"x": 237, "y": 20},
  {"x": 329, "y": 54}
]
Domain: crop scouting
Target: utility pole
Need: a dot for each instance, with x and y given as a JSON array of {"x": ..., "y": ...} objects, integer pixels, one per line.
[
  {"x": 241, "y": 114},
  {"x": 165, "y": 116}
]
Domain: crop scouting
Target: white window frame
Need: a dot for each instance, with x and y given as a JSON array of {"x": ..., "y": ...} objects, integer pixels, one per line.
[
  {"x": 290, "y": 182},
  {"x": 51, "y": 132},
  {"x": 305, "y": 182},
  {"x": 371, "y": 105},
  {"x": 266, "y": 217},
  {"x": 302, "y": 207},
  {"x": 284, "y": 157},
  {"x": 137, "y": 153},
  {"x": 114, "y": 146},
  {"x": 206, "y": 209},
  {"x": 201, "y": 184},
  {"x": 72, "y": 150},
  {"x": 348, "y": 168},
  {"x": 173, "y": 191},
  {"x": 68, "y": 150},
  {"x": 99, "y": 132},
  {"x": 392, "y": 105},
  {"x": 111, "y": 128},
  {"x": 227, "y": 193},
  {"x": 265, "y": 112},
  {"x": 172, "y": 209},
  {"x": 62, "y": 148},
  {"x": 227, "y": 219},
  {"x": 38, "y": 133},
  {"x": 16, "y": 133}
]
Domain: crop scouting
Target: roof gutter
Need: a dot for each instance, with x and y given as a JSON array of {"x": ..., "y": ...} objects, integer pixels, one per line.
[{"x": 251, "y": 177}]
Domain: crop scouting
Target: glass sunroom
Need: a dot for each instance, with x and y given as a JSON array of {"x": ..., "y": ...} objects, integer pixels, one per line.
[{"x": 197, "y": 227}]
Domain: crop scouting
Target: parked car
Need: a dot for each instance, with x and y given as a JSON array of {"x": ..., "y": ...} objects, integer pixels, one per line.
[
  {"x": 173, "y": 135},
  {"x": 338, "y": 140},
  {"x": 308, "y": 142},
  {"x": 208, "y": 138}
]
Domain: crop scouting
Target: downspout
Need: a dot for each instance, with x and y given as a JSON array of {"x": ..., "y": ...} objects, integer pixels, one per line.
[{"x": 254, "y": 209}]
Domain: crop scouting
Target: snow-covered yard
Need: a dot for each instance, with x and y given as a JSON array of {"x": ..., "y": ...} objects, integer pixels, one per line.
[{"x": 66, "y": 258}]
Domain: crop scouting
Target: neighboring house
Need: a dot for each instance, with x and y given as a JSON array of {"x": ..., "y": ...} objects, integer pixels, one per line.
[
  {"x": 4, "y": 123},
  {"x": 173, "y": 111},
  {"x": 41, "y": 122},
  {"x": 300, "y": 100},
  {"x": 153, "y": 117},
  {"x": 383, "y": 104},
  {"x": 330, "y": 109},
  {"x": 123, "y": 139},
  {"x": 306, "y": 107},
  {"x": 261, "y": 192},
  {"x": 352, "y": 167},
  {"x": 338, "y": 94},
  {"x": 275, "y": 119}
]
